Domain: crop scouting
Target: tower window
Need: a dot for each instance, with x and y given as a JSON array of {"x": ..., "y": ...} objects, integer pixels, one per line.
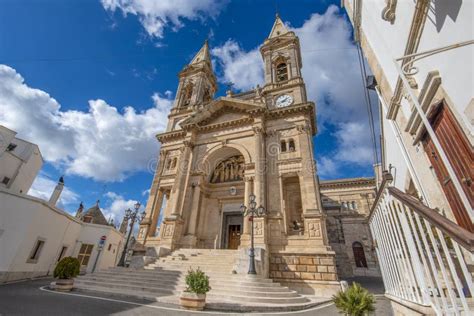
[
  {"x": 291, "y": 145},
  {"x": 281, "y": 72},
  {"x": 283, "y": 146},
  {"x": 207, "y": 96},
  {"x": 188, "y": 92}
]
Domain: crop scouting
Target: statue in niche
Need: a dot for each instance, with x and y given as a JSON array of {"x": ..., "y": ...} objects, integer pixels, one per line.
[{"x": 231, "y": 169}]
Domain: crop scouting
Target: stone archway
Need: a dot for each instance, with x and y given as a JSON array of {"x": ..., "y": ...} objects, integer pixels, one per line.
[{"x": 223, "y": 170}]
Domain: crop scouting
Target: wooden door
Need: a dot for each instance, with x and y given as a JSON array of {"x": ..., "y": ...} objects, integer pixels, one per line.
[
  {"x": 234, "y": 236},
  {"x": 359, "y": 255},
  {"x": 461, "y": 157}
]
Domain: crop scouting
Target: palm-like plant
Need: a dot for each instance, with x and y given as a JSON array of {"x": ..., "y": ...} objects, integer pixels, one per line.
[{"x": 355, "y": 301}]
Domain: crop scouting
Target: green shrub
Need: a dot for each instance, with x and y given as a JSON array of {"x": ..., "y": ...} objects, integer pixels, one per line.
[
  {"x": 67, "y": 268},
  {"x": 355, "y": 301},
  {"x": 197, "y": 282}
]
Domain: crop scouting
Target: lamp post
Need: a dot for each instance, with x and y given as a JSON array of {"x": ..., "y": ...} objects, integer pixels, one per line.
[
  {"x": 132, "y": 216},
  {"x": 253, "y": 211}
]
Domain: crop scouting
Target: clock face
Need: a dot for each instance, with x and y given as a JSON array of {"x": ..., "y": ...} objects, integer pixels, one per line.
[{"x": 284, "y": 100}]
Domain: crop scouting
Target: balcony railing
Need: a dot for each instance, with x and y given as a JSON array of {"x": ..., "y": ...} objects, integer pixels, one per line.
[{"x": 425, "y": 258}]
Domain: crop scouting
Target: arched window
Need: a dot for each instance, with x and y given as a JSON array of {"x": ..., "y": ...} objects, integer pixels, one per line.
[
  {"x": 187, "y": 94},
  {"x": 353, "y": 205},
  {"x": 281, "y": 72},
  {"x": 207, "y": 96},
  {"x": 359, "y": 255},
  {"x": 173, "y": 164},
  {"x": 283, "y": 146},
  {"x": 168, "y": 164},
  {"x": 291, "y": 145}
]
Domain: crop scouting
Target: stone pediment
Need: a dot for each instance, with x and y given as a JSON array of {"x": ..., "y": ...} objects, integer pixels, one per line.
[{"x": 222, "y": 110}]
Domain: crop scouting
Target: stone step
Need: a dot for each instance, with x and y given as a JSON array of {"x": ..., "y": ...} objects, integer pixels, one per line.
[
  {"x": 229, "y": 295},
  {"x": 191, "y": 264},
  {"x": 180, "y": 284},
  {"x": 195, "y": 261},
  {"x": 204, "y": 251},
  {"x": 186, "y": 268},
  {"x": 174, "y": 270},
  {"x": 173, "y": 277},
  {"x": 212, "y": 302},
  {"x": 171, "y": 288}
]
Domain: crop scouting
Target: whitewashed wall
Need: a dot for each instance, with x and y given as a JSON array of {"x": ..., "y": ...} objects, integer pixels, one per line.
[{"x": 24, "y": 219}]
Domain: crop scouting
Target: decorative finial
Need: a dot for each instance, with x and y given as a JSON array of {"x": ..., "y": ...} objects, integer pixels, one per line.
[
  {"x": 61, "y": 179},
  {"x": 97, "y": 203},
  {"x": 229, "y": 88}
]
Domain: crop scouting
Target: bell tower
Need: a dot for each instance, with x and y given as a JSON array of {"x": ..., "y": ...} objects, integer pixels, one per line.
[
  {"x": 281, "y": 55},
  {"x": 197, "y": 86}
]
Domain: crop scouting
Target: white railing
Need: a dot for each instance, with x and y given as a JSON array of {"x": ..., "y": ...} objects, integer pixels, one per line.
[{"x": 423, "y": 256}]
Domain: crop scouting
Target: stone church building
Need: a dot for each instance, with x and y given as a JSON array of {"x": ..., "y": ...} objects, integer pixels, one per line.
[{"x": 216, "y": 152}]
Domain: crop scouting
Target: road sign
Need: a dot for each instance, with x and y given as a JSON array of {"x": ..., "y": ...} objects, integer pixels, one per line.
[{"x": 102, "y": 241}]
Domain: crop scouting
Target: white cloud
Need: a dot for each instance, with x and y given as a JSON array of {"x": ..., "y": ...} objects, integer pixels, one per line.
[
  {"x": 103, "y": 143},
  {"x": 332, "y": 76},
  {"x": 243, "y": 69},
  {"x": 156, "y": 15},
  {"x": 116, "y": 206},
  {"x": 43, "y": 188},
  {"x": 326, "y": 166}
]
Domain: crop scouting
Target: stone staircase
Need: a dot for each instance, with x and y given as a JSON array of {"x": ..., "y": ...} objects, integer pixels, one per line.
[{"x": 164, "y": 280}]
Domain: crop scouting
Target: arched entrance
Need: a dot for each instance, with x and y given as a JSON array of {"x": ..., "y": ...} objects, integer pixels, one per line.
[
  {"x": 224, "y": 186},
  {"x": 359, "y": 255}
]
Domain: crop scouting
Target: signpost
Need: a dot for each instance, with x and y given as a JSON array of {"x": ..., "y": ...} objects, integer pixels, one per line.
[{"x": 99, "y": 249}]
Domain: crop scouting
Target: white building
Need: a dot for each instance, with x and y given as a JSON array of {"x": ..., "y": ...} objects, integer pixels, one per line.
[
  {"x": 35, "y": 234},
  {"x": 20, "y": 161},
  {"x": 422, "y": 56}
]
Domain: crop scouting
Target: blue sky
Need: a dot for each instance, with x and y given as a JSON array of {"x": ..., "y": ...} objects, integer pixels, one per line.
[{"x": 92, "y": 81}]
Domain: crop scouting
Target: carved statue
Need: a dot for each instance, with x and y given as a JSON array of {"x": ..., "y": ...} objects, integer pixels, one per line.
[{"x": 231, "y": 169}]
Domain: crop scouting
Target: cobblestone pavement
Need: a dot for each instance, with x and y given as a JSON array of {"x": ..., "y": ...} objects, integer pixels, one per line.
[{"x": 31, "y": 298}]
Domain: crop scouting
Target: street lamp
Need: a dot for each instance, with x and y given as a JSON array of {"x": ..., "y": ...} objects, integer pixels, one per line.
[
  {"x": 133, "y": 216},
  {"x": 253, "y": 211}
]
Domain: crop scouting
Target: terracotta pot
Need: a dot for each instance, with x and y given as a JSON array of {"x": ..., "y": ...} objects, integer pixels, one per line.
[
  {"x": 193, "y": 301},
  {"x": 64, "y": 285}
]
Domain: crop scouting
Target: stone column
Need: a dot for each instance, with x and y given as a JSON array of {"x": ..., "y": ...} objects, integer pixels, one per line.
[
  {"x": 309, "y": 188},
  {"x": 179, "y": 186},
  {"x": 156, "y": 213},
  {"x": 282, "y": 204},
  {"x": 260, "y": 166},
  {"x": 150, "y": 206},
  {"x": 248, "y": 189},
  {"x": 194, "y": 209}
]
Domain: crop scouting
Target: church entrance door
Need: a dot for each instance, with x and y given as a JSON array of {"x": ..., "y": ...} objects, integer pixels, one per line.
[
  {"x": 234, "y": 236},
  {"x": 232, "y": 230}
]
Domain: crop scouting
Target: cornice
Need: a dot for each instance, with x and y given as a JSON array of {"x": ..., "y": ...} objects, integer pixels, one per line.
[
  {"x": 344, "y": 183},
  {"x": 168, "y": 136}
]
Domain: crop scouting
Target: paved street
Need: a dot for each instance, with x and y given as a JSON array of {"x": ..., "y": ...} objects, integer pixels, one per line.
[{"x": 27, "y": 298}]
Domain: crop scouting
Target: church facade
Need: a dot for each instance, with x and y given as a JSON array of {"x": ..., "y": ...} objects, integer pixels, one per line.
[{"x": 215, "y": 153}]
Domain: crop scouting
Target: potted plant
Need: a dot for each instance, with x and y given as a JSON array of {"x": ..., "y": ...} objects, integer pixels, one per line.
[
  {"x": 355, "y": 301},
  {"x": 197, "y": 285},
  {"x": 65, "y": 272}
]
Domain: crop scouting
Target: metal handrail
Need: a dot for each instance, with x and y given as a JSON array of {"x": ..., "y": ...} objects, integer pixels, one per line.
[
  {"x": 387, "y": 178},
  {"x": 464, "y": 237}
]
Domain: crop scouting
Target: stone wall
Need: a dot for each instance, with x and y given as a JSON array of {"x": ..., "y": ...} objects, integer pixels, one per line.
[{"x": 303, "y": 267}]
